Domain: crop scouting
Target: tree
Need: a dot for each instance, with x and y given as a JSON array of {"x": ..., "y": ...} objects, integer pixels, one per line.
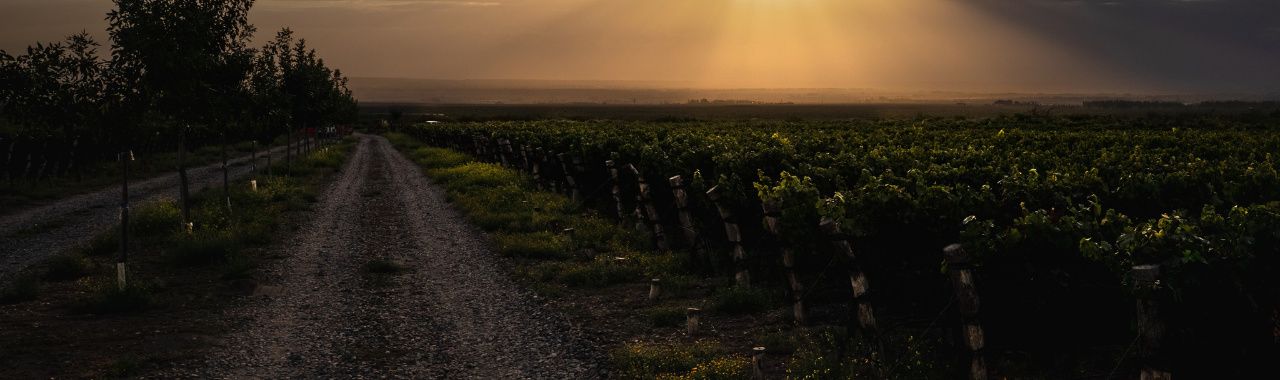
[
  {"x": 308, "y": 93},
  {"x": 191, "y": 61},
  {"x": 55, "y": 91}
]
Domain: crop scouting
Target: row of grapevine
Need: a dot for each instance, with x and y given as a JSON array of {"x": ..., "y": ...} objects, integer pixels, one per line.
[{"x": 1055, "y": 212}]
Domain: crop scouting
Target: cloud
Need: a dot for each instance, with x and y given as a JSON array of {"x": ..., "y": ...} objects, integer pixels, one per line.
[{"x": 373, "y": 4}]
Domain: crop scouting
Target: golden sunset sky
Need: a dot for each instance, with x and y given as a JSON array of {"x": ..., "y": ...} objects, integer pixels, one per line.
[{"x": 966, "y": 45}]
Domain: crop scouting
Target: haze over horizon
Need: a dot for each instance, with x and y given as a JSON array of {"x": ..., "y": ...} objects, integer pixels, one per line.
[{"x": 1041, "y": 46}]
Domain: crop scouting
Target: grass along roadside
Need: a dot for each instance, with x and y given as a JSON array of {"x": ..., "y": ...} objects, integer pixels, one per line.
[
  {"x": 22, "y": 193},
  {"x": 599, "y": 273},
  {"x": 177, "y": 281}
]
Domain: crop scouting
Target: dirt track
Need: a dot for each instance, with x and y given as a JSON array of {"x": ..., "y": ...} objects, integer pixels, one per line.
[
  {"x": 453, "y": 312},
  {"x": 31, "y": 235}
]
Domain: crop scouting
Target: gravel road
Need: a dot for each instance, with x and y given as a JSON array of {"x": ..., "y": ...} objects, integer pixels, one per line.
[
  {"x": 453, "y": 312},
  {"x": 31, "y": 235}
]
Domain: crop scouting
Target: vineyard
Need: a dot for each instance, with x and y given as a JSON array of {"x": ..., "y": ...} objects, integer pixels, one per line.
[{"x": 1074, "y": 245}]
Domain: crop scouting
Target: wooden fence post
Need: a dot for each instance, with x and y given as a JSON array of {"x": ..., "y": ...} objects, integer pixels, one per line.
[
  {"x": 772, "y": 214},
  {"x": 616, "y": 190},
  {"x": 960, "y": 266},
  {"x": 865, "y": 315},
  {"x": 650, "y": 212},
  {"x": 1146, "y": 283},
  {"x": 734, "y": 235}
]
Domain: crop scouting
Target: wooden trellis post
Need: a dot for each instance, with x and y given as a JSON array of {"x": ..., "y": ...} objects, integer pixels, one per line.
[
  {"x": 1146, "y": 283},
  {"x": 504, "y": 146},
  {"x": 616, "y": 190},
  {"x": 649, "y": 212},
  {"x": 537, "y": 168},
  {"x": 524, "y": 157},
  {"x": 960, "y": 266},
  {"x": 687, "y": 227},
  {"x": 772, "y": 216},
  {"x": 495, "y": 148},
  {"x": 550, "y": 163},
  {"x": 742, "y": 276},
  {"x": 570, "y": 182},
  {"x": 864, "y": 314}
]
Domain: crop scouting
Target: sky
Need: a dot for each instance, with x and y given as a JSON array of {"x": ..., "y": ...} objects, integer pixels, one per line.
[{"x": 1049, "y": 46}]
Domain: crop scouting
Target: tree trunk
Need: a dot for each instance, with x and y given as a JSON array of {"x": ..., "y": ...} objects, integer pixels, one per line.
[
  {"x": 226, "y": 186},
  {"x": 288, "y": 152},
  {"x": 184, "y": 194},
  {"x": 125, "y": 157}
]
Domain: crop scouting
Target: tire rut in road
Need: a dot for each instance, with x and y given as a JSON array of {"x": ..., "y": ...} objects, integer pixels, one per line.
[{"x": 452, "y": 313}]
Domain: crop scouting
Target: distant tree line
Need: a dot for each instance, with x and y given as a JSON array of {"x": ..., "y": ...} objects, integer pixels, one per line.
[
  {"x": 178, "y": 74},
  {"x": 1133, "y": 104}
]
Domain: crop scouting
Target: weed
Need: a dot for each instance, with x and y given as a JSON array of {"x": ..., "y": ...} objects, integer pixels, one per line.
[
  {"x": 66, "y": 267},
  {"x": 123, "y": 368},
  {"x": 650, "y": 360},
  {"x": 106, "y": 298},
  {"x": 737, "y": 300},
  {"x": 238, "y": 267},
  {"x": 157, "y": 219},
  {"x": 720, "y": 368},
  {"x": 22, "y": 289},
  {"x": 597, "y": 273},
  {"x": 206, "y": 247},
  {"x": 104, "y": 244},
  {"x": 474, "y": 175},
  {"x": 536, "y": 245},
  {"x": 436, "y": 158},
  {"x": 383, "y": 266},
  {"x": 666, "y": 316}
]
